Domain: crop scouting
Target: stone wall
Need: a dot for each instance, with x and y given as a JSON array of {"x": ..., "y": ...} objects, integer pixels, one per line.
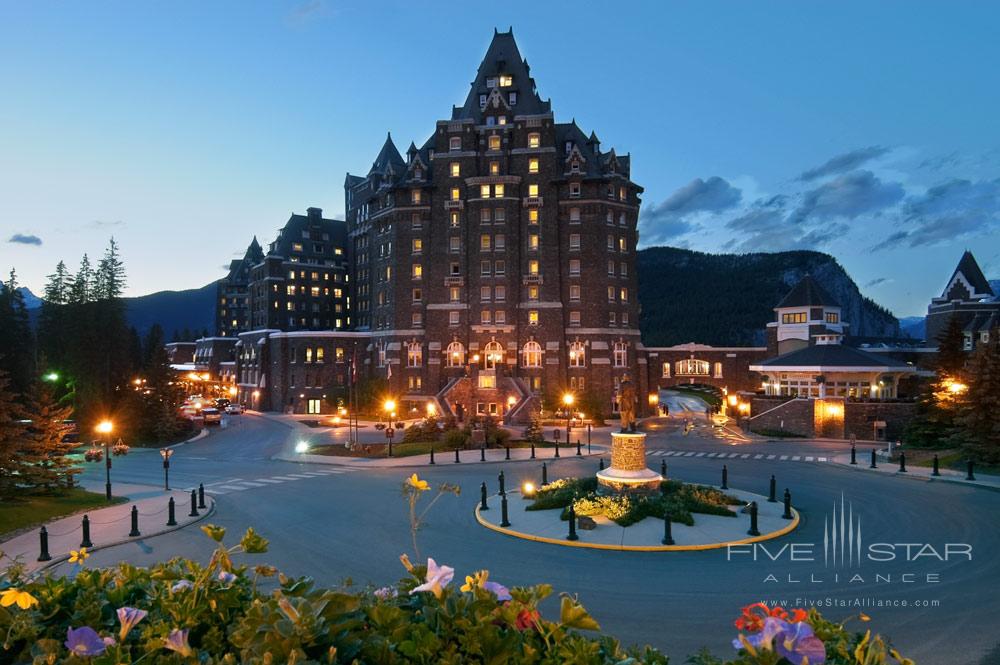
[
  {"x": 793, "y": 416},
  {"x": 860, "y": 418},
  {"x": 829, "y": 418}
]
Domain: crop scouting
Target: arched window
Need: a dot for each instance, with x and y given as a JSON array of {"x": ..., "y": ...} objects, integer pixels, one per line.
[
  {"x": 493, "y": 354},
  {"x": 532, "y": 354},
  {"x": 414, "y": 354},
  {"x": 692, "y": 367},
  {"x": 577, "y": 355},
  {"x": 456, "y": 354},
  {"x": 621, "y": 354}
]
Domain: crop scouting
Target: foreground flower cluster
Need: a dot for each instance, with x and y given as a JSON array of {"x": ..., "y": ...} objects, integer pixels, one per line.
[{"x": 184, "y": 612}]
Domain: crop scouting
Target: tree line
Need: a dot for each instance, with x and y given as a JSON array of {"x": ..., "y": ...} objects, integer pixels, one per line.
[{"x": 81, "y": 364}]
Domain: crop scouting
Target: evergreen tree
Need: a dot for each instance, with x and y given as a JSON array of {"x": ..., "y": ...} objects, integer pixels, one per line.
[
  {"x": 979, "y": 411},
  {"x": 54, "y": 321},
  {"x": 58, "y": 286},
  {"x": 44, "y": 464},
  {"x": 17, "y": 351},
  {"x": 81, "y": 288},
  {"x": 951, "y": 354},
  {"x": 12, "y": 433},
  {"x": 933, "y": 424},
  {"x": 533, "y": 432},
  {"x": 109, "y": 280}
]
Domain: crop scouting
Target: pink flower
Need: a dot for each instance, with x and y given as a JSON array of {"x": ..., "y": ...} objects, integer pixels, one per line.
[{"x": 436, "y": 579}]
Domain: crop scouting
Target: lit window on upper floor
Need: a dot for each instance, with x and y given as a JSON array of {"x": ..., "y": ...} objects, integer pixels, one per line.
[
  {"x": 296, "y": 247},
  {"x": 418, "y": 271},
  {"x": 622, "y": 244},
  {"x": 533, "y": 190},
  {"x": 532, "y": 293},
  {"x": 534, "y": 140},
  {"x": 417, "y": 245},
  {"x": 456, "y": 169},
  {"x": 506, "y": 80},
  {"x": 533, "y": 165},
  {"x": 485, "y": 242},
  {"x": 622, "y": 194},
  {"x": 494, "y": 142},
  {"x": 533, "y": 267},
  {"x": 533, "y": 321},
  {"x": 415, "y": 196},
  {"x": 498, "y": 191},
  {"x": 456, "y": 194},
  {"x": 494, "y": 168},
  {"x": 455, "y": 220},
  {"x": 484, "y": 191},
  {"x": 533, "y": 241},
  {"x": 533, "y": 215},
  {"x": 502, "y": 120}
]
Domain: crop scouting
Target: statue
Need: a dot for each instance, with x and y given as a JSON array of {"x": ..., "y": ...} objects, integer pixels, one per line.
[{"x": 626, "y": 404}]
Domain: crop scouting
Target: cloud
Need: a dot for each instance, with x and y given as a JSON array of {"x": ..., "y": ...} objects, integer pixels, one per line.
[
  {"x": 670, "y": 219},
  {"x": 849, "y": 195},
  {"x": 877, "y": 281},
  {"x": 105, "y": 224},
  {"x": 894, "y": 240},
  {"x": 23, "y": 239},
  {"x": 845, "y": 162}
]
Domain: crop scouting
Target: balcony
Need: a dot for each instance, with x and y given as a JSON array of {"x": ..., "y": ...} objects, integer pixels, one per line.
[
  {"x": 533, "y": 201},
  {"x": 532, "y": 279},
  {"x": 454, "y": 280},
  {"x": 454, "y": 204}
]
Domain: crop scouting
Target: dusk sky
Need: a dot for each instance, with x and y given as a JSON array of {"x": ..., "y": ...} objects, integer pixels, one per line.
[{"x": 868, "y": 130}]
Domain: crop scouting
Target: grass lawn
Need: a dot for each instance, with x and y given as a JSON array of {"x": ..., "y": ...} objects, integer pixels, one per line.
[
  {"x": 948, "y": 458},
  {"x": 18, "y": 515}
]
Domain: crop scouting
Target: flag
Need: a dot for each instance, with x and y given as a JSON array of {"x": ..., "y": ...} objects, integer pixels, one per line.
[{"x": 388, "y": 371}]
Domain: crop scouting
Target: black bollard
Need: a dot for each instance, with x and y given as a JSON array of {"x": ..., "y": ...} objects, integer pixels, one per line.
[
  {"x": 503, "y": 511},
  {"x": 201, "y": 496},
  {"x": 854, "y": 454},
  {"x": 500, "y": 480},
  {"x": 507, "y": 453},
  {"x": 43, "y": 543},
  {"x": 753, "y": 520},
  {"x": 572, "y": 523},
  {"x": 970, "y": 476},
  {"x": 456, "y": 456},
  {"x": 545, "y": 474},
  {"x": 482, "y": 497},
  {"x": 902, "y": 462},
  {"x": 432, "y": 454},
  {"x": 725, "y": 477},
  {"x": 482, "y": 453},
  {"x": 171, "y": 514},
  {"x": 579, "y": 452},
  {"x": 85, "y": 542},
  {"x": 532, "y": 450},
  {"x": 788, "y": 505},
  {"x": 668, "y": 536},
  {"x": 663, "y": 468},
  {"x": 937, "y": 470},
  {"x": 873, "y": 465},
  {"x": 194, "y": 504},
  {"x": 600, "y": 464},
  {"x": 135, "y": 523},
  {"x": 557, "y": 448},
  {"x": 774, "y": 487}
]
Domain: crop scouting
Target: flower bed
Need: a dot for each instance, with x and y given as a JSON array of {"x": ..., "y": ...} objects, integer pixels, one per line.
[
  {"x": 676, "y": 499},
  {"x": 183, "y": 612}
]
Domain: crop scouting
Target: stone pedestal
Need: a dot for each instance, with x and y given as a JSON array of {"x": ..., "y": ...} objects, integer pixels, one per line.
[{"x": 628, "y": 472}]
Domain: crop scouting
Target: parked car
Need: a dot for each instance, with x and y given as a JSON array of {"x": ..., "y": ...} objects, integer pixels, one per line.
[
  {"x": 234, "y": 409},
  {"x": 211, "y": 416},
  {"x": 221, "y": 403}
]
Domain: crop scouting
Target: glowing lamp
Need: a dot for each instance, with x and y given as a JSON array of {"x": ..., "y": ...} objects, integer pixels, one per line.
[
  {"x": 301, "y": 447},
  {"x": 567, "y": 399},
  {"x": 104, "y": 427},
  {"x": 528, "y": 489},
  {"x": 733, "y": 400}
]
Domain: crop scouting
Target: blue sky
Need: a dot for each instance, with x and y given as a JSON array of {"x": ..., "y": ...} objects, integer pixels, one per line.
[{"x": 867, "y": 130}]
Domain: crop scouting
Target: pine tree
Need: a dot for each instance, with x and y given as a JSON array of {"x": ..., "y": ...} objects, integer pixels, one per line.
[
  {"x": 933, "y": 425},
  {"x": 979, "y": 411},
  {"x": 53, "y": 323},
  {"x": 533, "y": 432},
  {"x": 109, "y": 280},
  {"x": 81, "y": 289},
  {"x": 44, "y": 464},
  {"x": 12, "y": 433},
  {"x": 17, "y": 351},
  {"x": 951, "y": 354}
]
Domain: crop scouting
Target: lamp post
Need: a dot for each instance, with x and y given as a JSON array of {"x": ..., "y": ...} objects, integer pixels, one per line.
[
  {"x": 105, "y": 427},
  {"x": 390, "y": 413},
  {"x": 166, "y": 454},
  {"x": 567, "y": 401}
]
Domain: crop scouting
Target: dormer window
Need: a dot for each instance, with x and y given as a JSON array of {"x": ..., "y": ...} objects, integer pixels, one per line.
[
  {"x": 569, "y": 146},
  {"x": 418, "y": 174},
  {"x": 494, "y": 142},
  {"x": 534, "y": 140},
  {"x": 502, "y": 120},
  {"x": 482, "y": 101},
  {"x": 512, "y": 98},
  {"x": 574, "y": 166},
  {"x": 455, "y": 143},
  {"x": 506, "y": 80},
  {"x": 491, "y": 82},
  {"x": 491, "y": 120}
]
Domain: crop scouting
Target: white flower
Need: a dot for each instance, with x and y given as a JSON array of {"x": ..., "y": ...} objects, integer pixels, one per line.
[
  {"x": 181, "y": 585},
  {"x": 437, "y": 578}
]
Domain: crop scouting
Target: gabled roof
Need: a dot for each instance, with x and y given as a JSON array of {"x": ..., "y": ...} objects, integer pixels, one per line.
[
  {"x": 807, "y": 293},
  {"x": 830, "y": 356},
  {"x": 388, "y": 160},
  {"x": 968, "y": 273},
  {"x": 503, "y": 57}
]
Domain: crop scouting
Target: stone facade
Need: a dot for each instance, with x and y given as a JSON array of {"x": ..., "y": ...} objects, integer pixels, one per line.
[
  {"x": 834, "y": 418},
  {"x": 722, "y": 367}
]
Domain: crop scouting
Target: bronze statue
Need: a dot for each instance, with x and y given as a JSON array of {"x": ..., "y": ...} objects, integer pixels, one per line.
[{"x": 626, "y": 404}]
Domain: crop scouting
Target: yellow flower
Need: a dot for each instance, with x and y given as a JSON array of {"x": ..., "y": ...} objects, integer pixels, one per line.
[
  {"x": 23, "y": 599},
  {"x": 864, "y": 617},
  {"x": 477, "y": 579},
  {"x": 416, "y": 483},
  {"x": 78, "y": 556}
]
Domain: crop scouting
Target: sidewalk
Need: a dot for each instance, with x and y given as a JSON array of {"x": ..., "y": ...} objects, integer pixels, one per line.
[
  {"x": 447, "y": 457},
  {"x": 916, "y": 472},
  {"x": 108, "y": 526}
]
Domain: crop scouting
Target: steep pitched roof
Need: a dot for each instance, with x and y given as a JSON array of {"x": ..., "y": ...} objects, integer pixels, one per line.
[
  {"x": 968, "y": 272},
  {"x": 807, "y": 293},
  {"x": 388, "y": 158},
  {"x": 832, "y": 356},
  {"x": 503, "y": 57},
  {"x": 254, "y": 252}
]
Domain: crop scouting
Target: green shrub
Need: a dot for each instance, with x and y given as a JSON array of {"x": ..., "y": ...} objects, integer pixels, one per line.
[{"x": 455, "y": 438}]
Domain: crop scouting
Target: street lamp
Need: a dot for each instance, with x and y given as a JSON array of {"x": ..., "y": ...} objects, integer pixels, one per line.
[
  {"x": 390, "y": 412},
  {"x": 567, "y": 401},
  {"x": 511, "y": 401},
  {"x": 105, "y": 427},
  {"x": 166, "y": 454},
  {"x": 51, "y": 377}
]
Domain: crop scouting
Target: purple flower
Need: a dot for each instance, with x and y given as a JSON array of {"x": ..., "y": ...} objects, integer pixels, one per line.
[
  {"x": 792, "y": 641},
  {"x": 181, "y": 585},
  {"x": 498, "y": 590},
  {"x": 178, "y": 641},
  {"x": 84, "y": 642},
  {"x": 385, "y": 593},
  {"x": 128, "y": 617},
  {"x": 226, "y": 577}
]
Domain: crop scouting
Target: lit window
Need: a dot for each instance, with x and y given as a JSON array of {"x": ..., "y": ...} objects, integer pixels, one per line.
[
  {"x": 506, "y": 80},
  {"x": 484, "y": 242},
  {"x": 534, "y": 140},
  {"x": 455, "y": 143},
  {"x": 417, "y": 319},
  {"x": 454, "y": 293},
  {"x": 622, "y": 244},
  {"x": 502, "y": 120},
  {"x": 415, "y": 196},
  {"x": 456, "y": 169},
  {"x": 455, "y": 351},
  {"x": 500, "y": 317},
  {"x": 533, "y": 317},
  {"x": 832, "y": 317},
  {"x": 533, "y": 216},
  {"x": 296, "y": 247},
  {"x": 691, "y": 367},
  {"x": 414, "y": 354},
  {"x": 621, "y": 193},
  {"x": 291, "y": 289},
  {"x": 418, "y": 271},
  {"x": 533, "y": 267},
  {"x": 718, "y": 370},
  {"x": 494, "y": 142},
  {"x": 666, "y": 370},
  {"x": 611, "y": 294},
  {"x": 532, "y": 292},
  {"x": 623, "y": 295},
  {"x": 314, "y": 291},
  {"x": 577, "y": 355},
  {"x": 494, "y": 168},
  {"x": 794, "y": 317},
  {"x": 454, "y": 220},
  {"x": 531, "y": 354},
  {"x": 484, "y": 191},
  {"x": 533, "y": 165},
  {"x": 621, "y": 354},
  {"x": 418, "y": 245},
  {"x": 533, "y": 190},
  {"x": 498, "y": 191},
  {"x": 533, "y": 241},
  {"x": 456, "y": 194}
]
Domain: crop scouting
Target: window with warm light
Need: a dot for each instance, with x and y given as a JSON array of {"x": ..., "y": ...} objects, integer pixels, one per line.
[
  {"x": 534, "y": 140},
  {"x": 531, "y": 354},
  {"x": 506, "y": 80},
  {"x": 415, "y": 196},
  {"x": 611, "y": 294},
  {"x": 484, "y": 191},
  {"x": 455, "y": 220},
  {"x": 498, "y": 191},
  {"x": 532, "y": 241},
  {"x": 494, "y": 142},
  {"x": 574, "y": 292},
  {"x": 533, "y": 215},
  {"x": 456, "y": 193},
  {"x": 485, "y": 293},
  {"x": 532, "y": 292},
  {"x": 494, "y": 168},
  {"x": 418, "y": 271},
  {"x": 577, "y": 355},
  {"x": 500, "y": 317},
  {"x": 533, "y": 165},
  {"x": 484, "y": 316},
  {"x": 456, "y": 169},
  {"x": 533, "y": 190},
  {"x": 533, "y": 267},
  {"x": 533, "y": 317},
  {"x": 455, "y": 354},
  {"x": 454, "y": 294},
  {"x": 417, "y": 320},
  {"x": 417, "y": 245},
  {"x": 414, "y": 354},
  {"x": 574, "y": 214},
  {"x": 484, "y": 242}
]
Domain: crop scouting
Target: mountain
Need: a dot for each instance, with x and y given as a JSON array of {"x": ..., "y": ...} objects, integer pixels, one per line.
[
  {"x": 191, "y": 309},
  {"x": 31, "y": 301},
  {"x": 913, "y": 326},
  {"x": 727, "y": 299}
]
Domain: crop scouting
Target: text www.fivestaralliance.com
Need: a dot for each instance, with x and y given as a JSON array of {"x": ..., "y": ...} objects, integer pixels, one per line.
[{"x": 861, "y": 602}]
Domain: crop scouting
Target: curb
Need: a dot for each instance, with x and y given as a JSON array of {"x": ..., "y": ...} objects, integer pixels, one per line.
[
  {"x": 197, "y": 437},
  {"x": 336, "y": 461},
  {"x": 640, "y": 548},
  {"x": 919, "y": 476},
  {"x": 208, "y": 512}
]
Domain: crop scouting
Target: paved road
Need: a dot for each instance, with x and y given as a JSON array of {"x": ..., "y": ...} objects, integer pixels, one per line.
[{"x": 337, "y": 526}]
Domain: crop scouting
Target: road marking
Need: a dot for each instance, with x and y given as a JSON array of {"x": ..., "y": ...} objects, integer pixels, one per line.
[
  {"x": 250, "y": 483},
  {"x": 700, "y": 455},
  {"x": 299, "y": 475},
  {"x": 796, "y": 458},
  {"x": 770, "y": 457},
  {"x": 732, "y": 455},
  {"x": 691, "y": 454},
  {"x": 746, "y": 456},
  {"x": 783, "y": 457},
  {"x": 820, "y": 459},
  {"x": 268, "y": 480},
  {"x": 282, "y": 478},
  {"x": 235, "y": 488},
  {"x": 809, "y": 459},
  {"x": 757, "y": 456},
  {"x": 711, "y": 454},
  {"x": 216, "y": 492}
]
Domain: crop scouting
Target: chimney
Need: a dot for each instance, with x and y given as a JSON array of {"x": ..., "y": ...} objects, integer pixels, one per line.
[{"x": 315, "y": 213}]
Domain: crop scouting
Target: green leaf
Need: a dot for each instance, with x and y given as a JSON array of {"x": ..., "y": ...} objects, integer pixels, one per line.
[
  {"x": 216, "y": 533},
  {"x": 253, "y": 542},
  {"x": 573, "y": 615}
]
